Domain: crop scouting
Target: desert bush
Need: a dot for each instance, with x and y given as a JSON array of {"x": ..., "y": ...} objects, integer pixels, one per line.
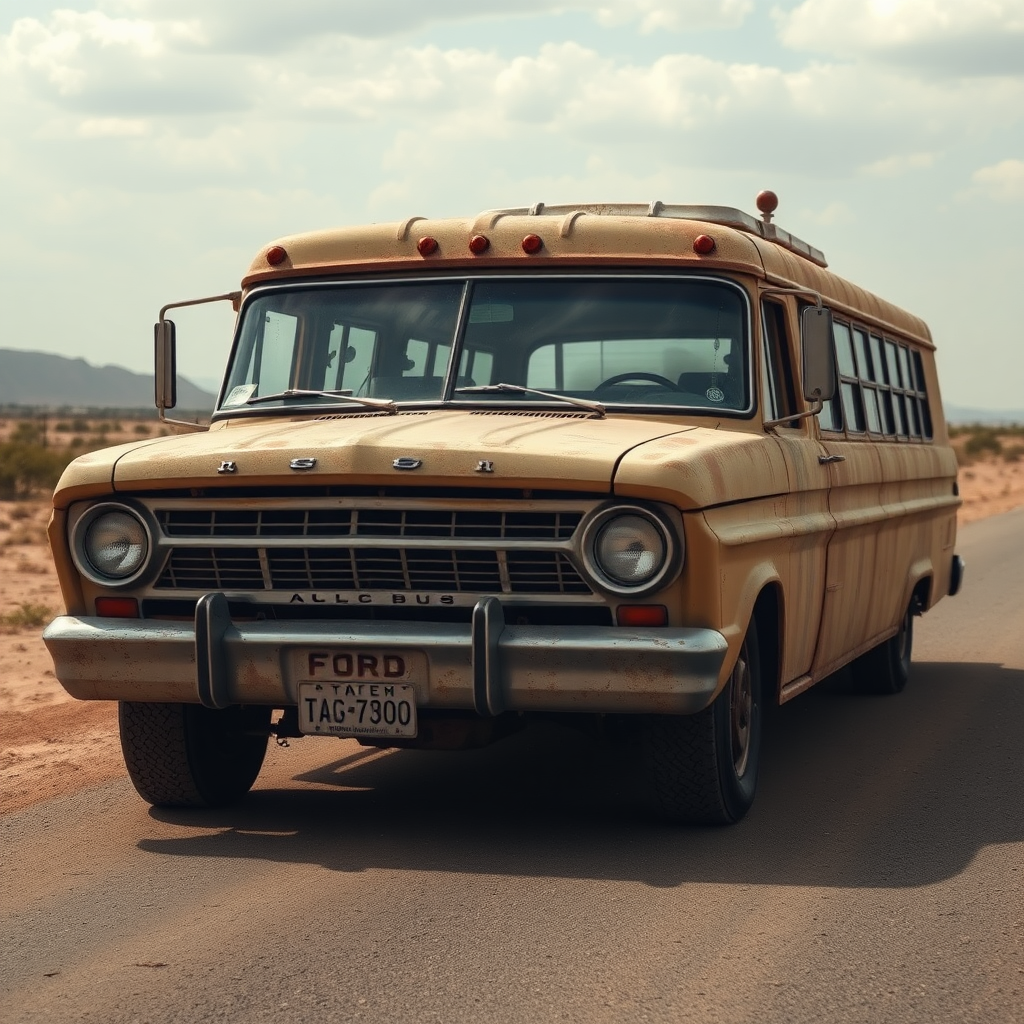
[
  {"x": 27, "y": 615},
  {"x": 141, "y": 428},
  {"x": 1013, "y": 453},
  {"x": 27, "y": 467},
  {"x": 62, "y": 427},
  {"x": 983, "y": 440},
  {"x": 80, "y": 426}
]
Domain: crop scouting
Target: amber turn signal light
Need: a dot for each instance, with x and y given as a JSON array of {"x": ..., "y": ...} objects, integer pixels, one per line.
[
  {"x": 641, "y": 615},
  {"x": 117, "y": 607}
]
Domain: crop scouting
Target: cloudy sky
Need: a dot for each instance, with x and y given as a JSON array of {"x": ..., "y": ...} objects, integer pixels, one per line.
[{"x": 148, "y": 147}]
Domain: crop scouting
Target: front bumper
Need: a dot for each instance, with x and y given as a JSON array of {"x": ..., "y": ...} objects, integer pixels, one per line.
[{"x": 487, "y": 665}]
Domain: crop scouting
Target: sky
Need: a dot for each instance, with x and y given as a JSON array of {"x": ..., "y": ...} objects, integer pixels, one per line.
[{"x": 148, "y": 148}]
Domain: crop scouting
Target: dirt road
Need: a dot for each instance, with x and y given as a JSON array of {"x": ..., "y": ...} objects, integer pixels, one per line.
[{"x": 879, "y": 876}]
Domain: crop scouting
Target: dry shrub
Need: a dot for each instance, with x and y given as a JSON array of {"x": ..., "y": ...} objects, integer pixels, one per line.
[{"x": 27, "y": 616}]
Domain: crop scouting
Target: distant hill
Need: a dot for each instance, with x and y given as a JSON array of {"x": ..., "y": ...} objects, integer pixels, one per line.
[
  {"x": 964, "y": 416},
  {"x": 42, "y": 379}
]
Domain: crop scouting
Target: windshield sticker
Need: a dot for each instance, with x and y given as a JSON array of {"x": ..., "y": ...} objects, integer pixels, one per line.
[
  {"x": 715, "y": 395},
  {"x": 240, "y": 395}
]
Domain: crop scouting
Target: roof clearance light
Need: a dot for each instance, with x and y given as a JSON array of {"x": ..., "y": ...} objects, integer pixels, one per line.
[
  {"x": 479, "y": 244},
  {"x": 532, "y": 244},
  {"x": 426, "y": 246},
  {"x": 703, "y": 245},
  {"x": 276, "y": 255}
]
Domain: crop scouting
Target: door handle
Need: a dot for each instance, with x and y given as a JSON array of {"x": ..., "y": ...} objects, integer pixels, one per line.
[{"x": 825, "y": 459}]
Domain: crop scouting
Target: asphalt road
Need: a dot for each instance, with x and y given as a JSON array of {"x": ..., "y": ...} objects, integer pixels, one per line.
[{"x": 878, "y": 878}]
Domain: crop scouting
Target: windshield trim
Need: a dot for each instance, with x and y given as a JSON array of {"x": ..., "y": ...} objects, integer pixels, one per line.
[{"x": 447, "y": 401}]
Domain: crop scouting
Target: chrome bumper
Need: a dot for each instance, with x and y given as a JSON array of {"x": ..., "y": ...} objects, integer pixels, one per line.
[{"x": 486, "y": 665}]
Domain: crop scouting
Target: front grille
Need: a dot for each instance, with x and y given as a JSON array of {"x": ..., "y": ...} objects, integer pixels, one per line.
[
  {"x": 369, "y": 522},
  {"x": 396, "y": 569}
]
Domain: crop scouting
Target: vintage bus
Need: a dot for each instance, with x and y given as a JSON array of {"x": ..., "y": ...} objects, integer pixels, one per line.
[{"x": 653, "y": 464}]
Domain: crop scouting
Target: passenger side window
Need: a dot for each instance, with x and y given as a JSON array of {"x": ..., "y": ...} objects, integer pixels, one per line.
[
  {"x": 779, "y": 394},
  {"x": 849, "y": 383}
]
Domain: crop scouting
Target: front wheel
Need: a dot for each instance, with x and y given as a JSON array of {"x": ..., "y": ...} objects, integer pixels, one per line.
[
  {"x": 704, "y": 767},
  {"x": 187, "y": 755}
]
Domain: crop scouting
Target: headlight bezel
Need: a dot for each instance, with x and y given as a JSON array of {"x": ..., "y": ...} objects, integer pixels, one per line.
[
  {"x": 669, "y": 533},
  {"x": 79, "y": 550}
]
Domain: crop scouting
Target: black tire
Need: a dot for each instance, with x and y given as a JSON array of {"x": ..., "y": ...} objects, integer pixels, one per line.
[
  {"x": 885, "y": 669},
  {"x": 704, "y": 767},
  {"x": 185, "y": 755}
]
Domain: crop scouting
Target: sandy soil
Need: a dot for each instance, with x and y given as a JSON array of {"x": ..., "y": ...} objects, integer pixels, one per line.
[{"x": 51, "y": 744}]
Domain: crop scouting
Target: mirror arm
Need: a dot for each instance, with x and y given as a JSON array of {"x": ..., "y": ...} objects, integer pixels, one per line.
[
  {"x": 235, "y": 298},
  {"x": 806, "y": 414}
]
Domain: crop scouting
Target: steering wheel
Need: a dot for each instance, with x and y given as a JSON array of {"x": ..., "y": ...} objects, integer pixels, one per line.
[{"x": 621, "y": 378}]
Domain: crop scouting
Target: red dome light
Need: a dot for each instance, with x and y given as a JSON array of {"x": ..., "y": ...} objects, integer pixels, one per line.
[
  {"x": 532, "y": 244},
  {"x": 703, "y": 244},
  {"x": 767, "y": 201},
  {"x": 479, "y": 244},
  {"x": 276, "y": 255},
  {"x": 426, "y": 246}
]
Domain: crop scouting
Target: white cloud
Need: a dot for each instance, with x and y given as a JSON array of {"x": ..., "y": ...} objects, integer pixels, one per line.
[
  {"x": 112, "y": 128},
  {"x": 674, "y": 15},
  {"x": 898, "y": 165},
  {"x": 269, "y": 26},
  {"x": 947, "y": 36},
  {"x": 1003, "y": 182}
]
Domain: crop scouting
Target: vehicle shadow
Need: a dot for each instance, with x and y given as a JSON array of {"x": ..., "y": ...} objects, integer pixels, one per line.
[{"x": 855, "y": 792}]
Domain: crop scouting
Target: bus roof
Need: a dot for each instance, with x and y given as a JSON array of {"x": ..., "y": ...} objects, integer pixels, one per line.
[{"x": 610, "y": 235}]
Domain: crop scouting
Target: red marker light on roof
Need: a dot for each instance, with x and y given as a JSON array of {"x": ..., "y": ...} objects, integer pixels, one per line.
[
  {"x": 276, "y": 255},
  {"x": 703, "y": 244},
  {"x": 532, "y": 244},
  {"x": 426, "y": 246},
  {"x": 479, "y": 244}
]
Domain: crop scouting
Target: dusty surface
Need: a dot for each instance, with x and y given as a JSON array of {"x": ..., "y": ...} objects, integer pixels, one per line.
[{"x": 52, "y": 745}]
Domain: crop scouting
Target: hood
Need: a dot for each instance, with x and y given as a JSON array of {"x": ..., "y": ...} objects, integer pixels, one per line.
[{"x": 523, "y": 449}]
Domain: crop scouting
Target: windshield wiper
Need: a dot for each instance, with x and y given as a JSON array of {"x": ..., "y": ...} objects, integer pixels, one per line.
[
  {"x": 518, "y": 389},
  {"x": 370, "y": 403}
]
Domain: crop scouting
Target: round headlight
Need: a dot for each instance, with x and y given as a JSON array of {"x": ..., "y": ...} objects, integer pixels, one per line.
[
  {"x": 630, "y": 550},
  {"x": 116, "y": 545}
]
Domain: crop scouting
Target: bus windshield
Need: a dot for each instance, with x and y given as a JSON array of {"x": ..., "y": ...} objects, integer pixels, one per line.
[{"x": 620, "y": 341}]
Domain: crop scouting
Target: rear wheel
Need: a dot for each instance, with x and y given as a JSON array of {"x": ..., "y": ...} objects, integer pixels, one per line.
[
  {"x": 885, "y": 669},
  {"x": 186, "y": 755},
  {"x": 704, "y": 767}
]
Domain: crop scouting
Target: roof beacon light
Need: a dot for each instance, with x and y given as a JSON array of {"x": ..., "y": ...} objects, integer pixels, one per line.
[
  {"x": 426, "y": 246},
  {"x": 276, "y": 255},
  {"x": 767, "y": 202},
  {"x": 479, "y": 244},
  {"x": 703, "y": 245},
  {"x": 532, "y": 244}
]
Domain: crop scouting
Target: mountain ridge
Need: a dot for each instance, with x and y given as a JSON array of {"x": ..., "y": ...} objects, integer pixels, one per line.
[{"x": 46, "y": 380}]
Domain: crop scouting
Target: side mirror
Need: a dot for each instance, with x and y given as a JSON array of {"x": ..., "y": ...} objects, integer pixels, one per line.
[
  {"x": 165, "y": 365},
  {"x": 819, "y": 368}
]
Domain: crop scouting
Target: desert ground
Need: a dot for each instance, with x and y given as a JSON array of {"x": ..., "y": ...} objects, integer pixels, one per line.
[{"x": 51, "y": 744}]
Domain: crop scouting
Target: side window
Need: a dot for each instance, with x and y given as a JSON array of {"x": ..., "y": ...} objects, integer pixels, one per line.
[
  {"x": 777, "y": 389},
  {"x": 880, "y": 364},
  {"x": 922, "y": 395},
  {"x": 866, "y": 373},
  {"x": 849, "y": 383}
]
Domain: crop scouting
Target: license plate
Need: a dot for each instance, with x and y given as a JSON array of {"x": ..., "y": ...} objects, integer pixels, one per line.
[{"x": 358, "y": 693}]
